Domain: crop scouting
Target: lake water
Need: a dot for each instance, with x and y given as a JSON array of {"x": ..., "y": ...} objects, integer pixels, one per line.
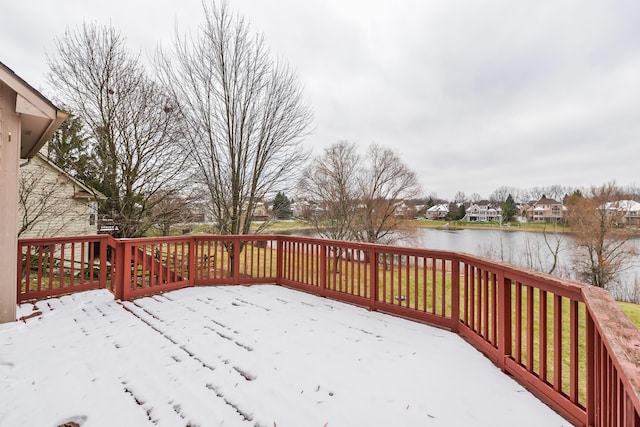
[
  {"x": 531, "y": 250},
  {"x": 514, "y": 247}
]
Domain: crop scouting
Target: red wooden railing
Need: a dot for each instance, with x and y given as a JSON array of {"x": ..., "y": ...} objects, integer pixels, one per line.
[
  {"x": 55, "y": 266},
  {"x": 567, "y": 342}
]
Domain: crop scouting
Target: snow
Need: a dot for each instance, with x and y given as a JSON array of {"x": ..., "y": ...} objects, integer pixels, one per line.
[{"x": 245, "y": 356}]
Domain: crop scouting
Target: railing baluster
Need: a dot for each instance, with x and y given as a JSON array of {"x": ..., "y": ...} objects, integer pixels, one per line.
[
  {"x": 72, "y": 263},
  {"x": 434, "y": 286},
  {"x": 543, "y": 331},
  {"x": 494, "y": 309},
  {"x": 374, "y": 262},
  {"x": 557, "y": 342},
  {"x": 592, "y": 366},
  {"x": 455, "y": 295},
  {"x": 518, "y": 314},
  {"x": 40, "y": 269},
  {"x": 530, "y": 334},
  {"x": 443, "y": 287},
  {"x": 573, "y": 353}
]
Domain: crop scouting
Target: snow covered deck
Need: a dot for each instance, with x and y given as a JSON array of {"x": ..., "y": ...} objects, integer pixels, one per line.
[{"x": 246, "y": 356}]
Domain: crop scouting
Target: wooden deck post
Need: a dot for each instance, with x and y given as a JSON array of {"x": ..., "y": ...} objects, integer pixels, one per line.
[
  {"x": 455, "y": 294},
  {"x": 236, "y": 261},
  {"x": 120, "y": 267},
  {"x": 504, "y": 320},
  {"x": 191, "y": 266},
  {"x": 323, "y": 269},
  {"x": 373, "y": 278},
  {"x": 279, "y": 259}
]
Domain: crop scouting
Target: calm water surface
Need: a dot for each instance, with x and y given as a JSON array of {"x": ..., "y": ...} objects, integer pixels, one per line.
[{"x": 522, "y": 248}]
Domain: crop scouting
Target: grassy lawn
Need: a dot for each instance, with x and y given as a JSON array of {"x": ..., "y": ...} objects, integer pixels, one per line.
[
  {"x": 287, "y": 225},
  {"x": 632, "y": 311},
  {"x": 292, "y": 225},
  {"x": 530, "y": 226}
]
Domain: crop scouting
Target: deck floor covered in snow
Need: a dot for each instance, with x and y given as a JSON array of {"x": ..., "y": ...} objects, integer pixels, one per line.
[{"x": 246, "y": 356}]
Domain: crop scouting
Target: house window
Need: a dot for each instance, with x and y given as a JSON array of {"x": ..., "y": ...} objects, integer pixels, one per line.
[{"x": 93, "y": 213}]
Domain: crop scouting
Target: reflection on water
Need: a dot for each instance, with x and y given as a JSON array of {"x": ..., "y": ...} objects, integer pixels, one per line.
[
  {"x": 531, "y": 250},
  {"x": 515, "y": 247},
  {"x": 302, "y": 232}
]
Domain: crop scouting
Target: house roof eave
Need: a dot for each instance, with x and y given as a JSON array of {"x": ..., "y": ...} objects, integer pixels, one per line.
[
  {"x": 89, "y": 192},
  {"x": 40, "y": 117}
]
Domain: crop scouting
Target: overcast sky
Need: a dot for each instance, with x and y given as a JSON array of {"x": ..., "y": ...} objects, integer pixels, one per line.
[{"x": 473, "y": 95}]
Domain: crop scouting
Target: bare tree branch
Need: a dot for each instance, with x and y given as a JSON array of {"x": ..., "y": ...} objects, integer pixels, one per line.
[
  {"x": 602, "y": 245},
  {"x": 245, "y": 114},
  {"x": 359, "y": 198},
  {"x": 134, "y": 124},
  {"x": 45, "y": 208}
]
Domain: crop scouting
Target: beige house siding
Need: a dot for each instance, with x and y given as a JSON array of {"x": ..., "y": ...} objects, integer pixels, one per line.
[
  {"x": 9, "y": 156},
  {"x": 52, "y": 203},
  {"x": 27, "y": 121},
  {"x": 546, "y": 210}
]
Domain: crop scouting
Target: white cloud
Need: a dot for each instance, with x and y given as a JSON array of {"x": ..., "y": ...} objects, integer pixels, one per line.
[{"x": 474, "y": 95}]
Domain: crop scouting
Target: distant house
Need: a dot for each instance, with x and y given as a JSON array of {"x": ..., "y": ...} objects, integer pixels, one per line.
[
  {"x": 439, "y": 211},
  {"x": 546, "y": 210},
  {"x": 53, "y": 203},
  {"x": 260, "y": 212},
  {"x": 402, "y": 209},
  {"x": 629, "y": 208},
  {"x": 483, "y": 211},
  {"x": 306, "y": 209}
]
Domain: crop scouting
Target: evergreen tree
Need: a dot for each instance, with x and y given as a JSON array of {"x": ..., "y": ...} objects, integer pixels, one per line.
[
  {"x": 509, "y": 209},
  {"x": 69, "y": 149},
  {"x": 282, "y": 206},
  {"x": 457, "y": 211},
  {"x": 462, "y": 212}
]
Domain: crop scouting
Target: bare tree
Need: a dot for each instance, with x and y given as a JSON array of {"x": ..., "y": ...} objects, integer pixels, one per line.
[
  {"x": 245, "y": 113},
  {"x": 554, "y": 244},
  {"x": 556, "y": 192},
  {"x": 500, "y": 194},
  {"x": 331, "y": 182},
  {"x": 602, "y": 245},
  {"x": 475, "y": 198},
  {"x": 545, "y": 255},
  {"x": 460, "y": 198},
  {"x": 384, "y": 183},
  {"x": 133, "y": 123},
  {"x": 171, "y": 210},
  {"x": 360, "y": 198},
  {"x": 633, "y": 192}
]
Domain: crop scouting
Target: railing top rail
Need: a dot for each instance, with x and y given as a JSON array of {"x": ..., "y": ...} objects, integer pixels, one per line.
[
  {"x": 544, "y": 281},
  {"x": 151, "y": 240},
  {"x": 367, "y": 246},
  {"x": 70, "y": 239},
  {"x": 227, "y": 237}
]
